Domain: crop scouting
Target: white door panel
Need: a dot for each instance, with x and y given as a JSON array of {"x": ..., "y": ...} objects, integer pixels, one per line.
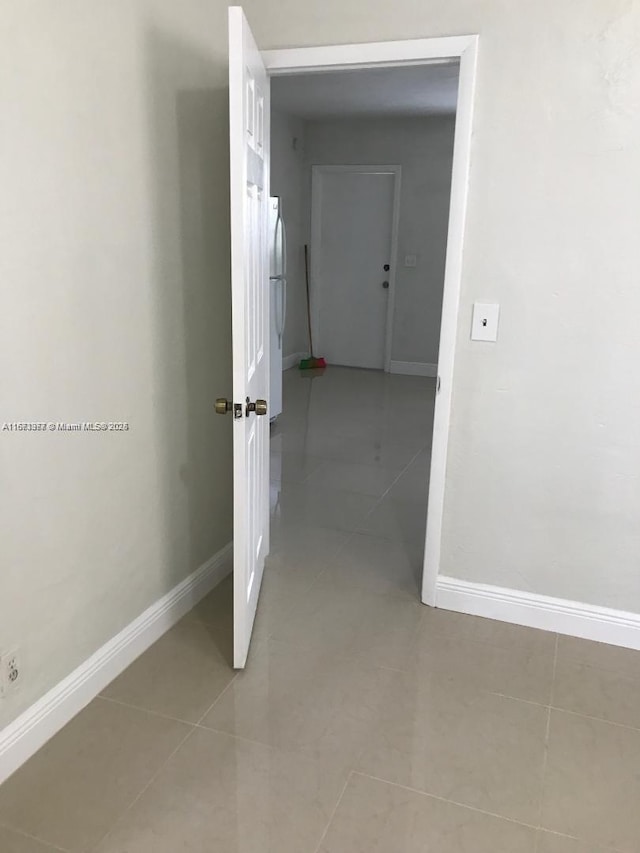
[
  {"x": 353, "y": 225},
  {"x": 249, "y": 113}
]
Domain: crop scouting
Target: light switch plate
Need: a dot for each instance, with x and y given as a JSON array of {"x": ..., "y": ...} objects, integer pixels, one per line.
[
  {"x": 410, "y": 260},
  {"x": 484, "y": 326}
]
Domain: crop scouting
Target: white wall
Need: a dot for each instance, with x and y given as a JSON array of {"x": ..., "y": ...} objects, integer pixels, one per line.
[
  {"x": 424, "y": 149},
  {"x": 114, "y": 274},
  {"x": 288, "y": 181},
  {"x": 115, "y": 301}
]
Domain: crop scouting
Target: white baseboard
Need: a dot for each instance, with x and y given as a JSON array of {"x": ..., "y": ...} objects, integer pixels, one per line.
[
  {"x": 33, "y": 728},
  {"x": 292, "y": 360},
  {"x": 603, "y": 624},
  {"x": 413, "y": 368}
]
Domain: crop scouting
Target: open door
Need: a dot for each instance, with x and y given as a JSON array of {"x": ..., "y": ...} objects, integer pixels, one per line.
[{"x": 249, "y": 115}]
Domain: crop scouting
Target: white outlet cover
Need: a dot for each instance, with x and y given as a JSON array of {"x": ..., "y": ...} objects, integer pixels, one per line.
[
  {"x": 484, "y": 325},
  {"x": 8, "y": 662},
  {"x": 410, "y": 260}
]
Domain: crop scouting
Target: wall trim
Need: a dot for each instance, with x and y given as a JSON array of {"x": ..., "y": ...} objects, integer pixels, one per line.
[
  {"x": 413, "y": 368},
  {"x": 292, "y": 360},
  {"x": 603, "y": 624},
  {"x": 23, "y": 737}
]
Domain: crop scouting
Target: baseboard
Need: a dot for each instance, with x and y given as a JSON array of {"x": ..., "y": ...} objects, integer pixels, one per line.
[
  {"x": 603, "y": 624},
  {"x": 413, "y": 368},
  {"x": 35, "y": 726},
  {"x": 292, "y": 360}
]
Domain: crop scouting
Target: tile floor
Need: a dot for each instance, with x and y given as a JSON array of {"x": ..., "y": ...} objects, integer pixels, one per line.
[{"x": 364, "y": 722}]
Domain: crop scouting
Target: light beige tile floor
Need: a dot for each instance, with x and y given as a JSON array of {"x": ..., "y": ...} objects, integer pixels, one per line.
[{"x": 364, "y": 722}]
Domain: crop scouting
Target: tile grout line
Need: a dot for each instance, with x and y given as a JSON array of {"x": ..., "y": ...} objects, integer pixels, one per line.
[
  {"x": 144, "y": 710},
  {"x": 549, "y": 706},
  {"x": 192, "y": 728},
  {"x": 545, "y": 758},
  {"x": 265, "y": 745},
  {"x": 445, "y": 800},
  {"x": 601, "y": 849},
  {"x": 334, "y": 812},
  {"x": 217, "y": 699},
  {"x": 191, "y": 723},
  {"x": 386, "y": 492},
  {"x": 358, "y": 530},
  {"x": 596, "y": 719},
  {"x": 324, "y": 460},
  {"x": 312, "y": 583},
  {"x": 22, "y": 834},
  {"x": 250, "y": 740},
  {"x": 370, "y": 665},
  {"x": 544, "y": 705},
  {"x": 279, "y": 748},
  {"x": 378, "y": 498},
  {"x": 144, "y": 790},
  {"x": 470, "y": 808},
  {"x": 561, "y": 710}
]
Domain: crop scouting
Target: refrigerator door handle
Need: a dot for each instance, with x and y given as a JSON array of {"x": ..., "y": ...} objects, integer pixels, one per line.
[
  {"x": 283, "y": 307},
  {"x": 282, "y": 258},
  {"x": 280, "y": 306},
  {"x": 283, "y": 261},
  {"x": 281, "y": 278},
  {"x": 284, "y": 277}
]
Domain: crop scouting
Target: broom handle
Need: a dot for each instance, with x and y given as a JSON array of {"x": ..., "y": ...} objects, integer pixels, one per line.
[{"x": 306, "y": 275}]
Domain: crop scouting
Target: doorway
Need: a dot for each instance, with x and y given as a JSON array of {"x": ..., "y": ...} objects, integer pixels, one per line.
[
  {"x": 250, "y": 111},
  {"x": 462, "y": 49},
  {"x": 373, "y": 232},
  {"x": 354, "y": 233},
  {"x": 351, "y": 448}
]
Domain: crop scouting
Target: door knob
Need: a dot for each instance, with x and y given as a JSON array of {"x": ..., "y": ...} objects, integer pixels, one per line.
[
  {"x": 385, "y": 284},
  {"x": 223, "y": 406},
  {"x": 259, "y": 407}
]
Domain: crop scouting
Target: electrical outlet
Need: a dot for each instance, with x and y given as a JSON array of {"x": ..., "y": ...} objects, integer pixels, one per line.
[{"x": 10, "y": 671}]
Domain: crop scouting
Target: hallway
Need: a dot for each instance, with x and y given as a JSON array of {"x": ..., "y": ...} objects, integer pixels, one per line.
[{"x": 364, "y": 722}]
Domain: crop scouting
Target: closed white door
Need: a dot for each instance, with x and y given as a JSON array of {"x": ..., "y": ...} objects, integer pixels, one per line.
[
  {"x": 353, "y": 227},
  {"x": 249, "y": 161}
]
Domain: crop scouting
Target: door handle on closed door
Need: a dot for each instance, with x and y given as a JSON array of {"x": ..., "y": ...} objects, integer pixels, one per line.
[
  {"x": 259, "y": 407},
  {"x": 385, "y": 284}
]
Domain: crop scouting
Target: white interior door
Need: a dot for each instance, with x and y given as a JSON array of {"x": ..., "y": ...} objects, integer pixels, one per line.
[
  {"x": 249, "y": 113},
  {"x": 353, "y": 230}
]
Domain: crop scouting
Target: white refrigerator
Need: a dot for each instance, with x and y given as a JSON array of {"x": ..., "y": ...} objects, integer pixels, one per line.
[{"x": 278, "y": 301}]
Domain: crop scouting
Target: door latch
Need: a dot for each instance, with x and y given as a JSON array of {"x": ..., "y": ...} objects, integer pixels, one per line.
[{"x": 223, "y": 406}]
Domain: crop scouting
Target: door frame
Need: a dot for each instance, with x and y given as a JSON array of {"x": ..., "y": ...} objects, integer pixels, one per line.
[
  {"x": 316, "y": 209},
  {"x": 419, "y": 52}
]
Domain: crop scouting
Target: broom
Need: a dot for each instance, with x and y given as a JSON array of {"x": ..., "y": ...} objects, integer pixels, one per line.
[{"x": 312, "y": 362}]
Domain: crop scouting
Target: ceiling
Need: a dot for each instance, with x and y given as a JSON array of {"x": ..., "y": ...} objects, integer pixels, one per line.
[{"x": 416, "y": 90}]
